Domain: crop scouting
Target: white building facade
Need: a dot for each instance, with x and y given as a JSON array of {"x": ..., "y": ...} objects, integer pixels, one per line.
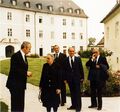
[
  {"x": 44, "y": 23},
  {"x": 112, "y": 35}
]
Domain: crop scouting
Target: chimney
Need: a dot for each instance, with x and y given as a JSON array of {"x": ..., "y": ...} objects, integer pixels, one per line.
[{"x": 118, "y": 1}]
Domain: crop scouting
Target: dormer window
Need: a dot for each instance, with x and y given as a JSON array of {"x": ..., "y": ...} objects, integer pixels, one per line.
[
  {"x": 50, "y": 8},
  {"x": 78, "y": 11},
  {"x": 70, "y": 10},
  {"x": 1, "y": 1},
  {"x": 39, "y": 6},
  {"x": 27, "y": 4},
  {"x": 61, "y": 9},
  {"x": 13, "y": 2}
]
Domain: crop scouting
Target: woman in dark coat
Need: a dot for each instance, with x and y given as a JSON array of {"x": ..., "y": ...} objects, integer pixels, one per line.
[{"x": 50, "y": 85}]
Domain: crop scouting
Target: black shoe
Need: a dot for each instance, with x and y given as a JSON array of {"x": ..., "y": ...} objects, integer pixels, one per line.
[
  {"x": 99, "y": 108},
  {"x": 71, "y": 108},
  {"x": 92, "y": 106},
  {"x": 62, "y": 104}
]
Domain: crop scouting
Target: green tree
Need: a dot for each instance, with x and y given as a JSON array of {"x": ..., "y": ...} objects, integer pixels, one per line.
[{"x": 92, "y": 40}]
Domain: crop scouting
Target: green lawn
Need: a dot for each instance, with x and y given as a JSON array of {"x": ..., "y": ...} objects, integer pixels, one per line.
[{"x": 35, "y": 66}]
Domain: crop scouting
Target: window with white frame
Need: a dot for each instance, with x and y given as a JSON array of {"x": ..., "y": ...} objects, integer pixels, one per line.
[
  {"x": 52, "y": 49},
  {"x": 64, "y": 21},
  {"x": 52, "y": 20},
  {"x": 52, "y": 35},
  {"x": 27, "y": 33},
  {"x": 14, "y": 2},
  {"x": 40, "y": 19},
  {"x": 81, "y": 36},
  {"x": 1, "y": 1},
  {"x": 107, "y": 32},
  {"x": 61, "y": 9},
  {"x": 64, "y": 35},
  {"x": 81, "y": 23},
  {"x": 40, "y": 34},
  {"x": 117, "y": 26},
  {"x": 9, "y": 15},
  {"x": 73, "y": 22},
  {"x": 27, "y": 18},
  {"x": 81, "y": 48},
  {"x": 9, "y": 32},
  {"x": 73, "y": 35}
]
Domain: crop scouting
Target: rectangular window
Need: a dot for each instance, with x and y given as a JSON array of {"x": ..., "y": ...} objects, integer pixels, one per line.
[
  {"x": 73, "y": 22},
  {"x": 9, "y": 32},
  {"x": 40, "y": 19},
  {"x": 64, "y": 21},
  {"x": 117, "y": 29},
  {"x": 81, "y": 36},
  {"x": 27, "y": 33},
  {"x": 81, "y": 48},
  {"x": 27, "y": 18},
  {"x": 9, "y": 16},
  {"x": 52, "y": 35},
  {"x": 73, "y": 35},
  {"x": 64, "y": 35},
  {"x": 107, "y": 32},
  {"x": 52, "y": 49},
  {"x": 81, "y": 23},
  {"x": 40, "y": 34},
  {"x": 52, "y": 20}
]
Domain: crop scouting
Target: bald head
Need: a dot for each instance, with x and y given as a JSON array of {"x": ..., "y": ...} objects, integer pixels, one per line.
[{"x": 71, "y": 51}]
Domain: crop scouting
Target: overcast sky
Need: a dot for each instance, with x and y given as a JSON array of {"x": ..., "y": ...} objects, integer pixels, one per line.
[{"x": 96, "y": 10}]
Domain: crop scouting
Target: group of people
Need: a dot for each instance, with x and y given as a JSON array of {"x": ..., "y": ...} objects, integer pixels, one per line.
[{"x": 58, "y": 71}]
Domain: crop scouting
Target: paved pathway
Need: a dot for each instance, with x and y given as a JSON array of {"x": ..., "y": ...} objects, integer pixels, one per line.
[{"x": 111, "y": 104}]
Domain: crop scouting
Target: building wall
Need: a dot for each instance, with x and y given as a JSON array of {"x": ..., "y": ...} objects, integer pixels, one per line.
[
  {"x": 112, "y": 39},
  {"x": 19, "y": 26}
]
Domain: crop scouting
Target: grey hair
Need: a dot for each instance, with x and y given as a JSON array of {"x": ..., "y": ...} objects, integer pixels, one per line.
[
  {"x": 50, "y": 55},
  {"x": 24, "y": 44}
]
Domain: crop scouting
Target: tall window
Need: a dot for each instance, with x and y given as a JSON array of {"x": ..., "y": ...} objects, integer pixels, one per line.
[
  {"x": 117, "y": 29},
  {"x": 52, "y": 35},
  {"x": 73, "y": 35},
  {"x": 73, "y": 22},
  {"x": 27, "y": 33},
  {"x": 9, "y": 32},
  {"x": 1, "y": 1},
  {"x": 64, "y": 35},
  {"x": 14, "y": 2},
  {"x": 81, "y": 23},
  {"x": 27, "y": 18},
  {"x": 81, "y": 36},
  {"x": 40, "y": 19},
  {"x": 52, "y": 49},
  {"x": 107, "y": 32},
  {"x": 52, "y": 20},
  {"x": 64, "y": 21},
  {"x": 9, "y": 15},
  {"x": 40, "y": 34},
  {"x": 81, "y": 48}
]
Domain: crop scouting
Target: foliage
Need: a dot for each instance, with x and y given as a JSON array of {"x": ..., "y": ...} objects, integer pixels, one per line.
[
  {"x": 3, "y": 107},
  {"x": 92, "y": 41},
  {"x": 35, "y": 66},
  {"x": 33, "y": 56},
  {"x": 85, "y": 54}
]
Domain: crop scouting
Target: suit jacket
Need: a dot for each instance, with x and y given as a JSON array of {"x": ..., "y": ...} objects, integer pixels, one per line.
[
  {"x": 18, "y": 72},
  {"x": 97, "y": 73},
  {"x": 60, "y": 63},
  {"x": 76, "y": 72}
]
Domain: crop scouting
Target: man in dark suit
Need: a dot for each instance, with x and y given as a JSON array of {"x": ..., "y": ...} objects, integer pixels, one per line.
[
  {"x": 17, "y": 78},
  {"x": 97, "y": 75},
  {"x": 59, "y": 59},
  {"x": 74, "y": 74}
]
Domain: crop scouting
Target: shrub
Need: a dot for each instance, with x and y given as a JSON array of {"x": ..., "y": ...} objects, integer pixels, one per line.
[{"x": 33, "y": 56}]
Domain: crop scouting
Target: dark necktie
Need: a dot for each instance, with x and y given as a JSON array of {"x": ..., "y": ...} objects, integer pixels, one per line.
[
  {"x": 72, "y": 62},
  {"x": 25, "y": 58}
]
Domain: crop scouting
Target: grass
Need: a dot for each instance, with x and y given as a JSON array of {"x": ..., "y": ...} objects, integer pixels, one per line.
[
  {"x": 3, "y": 107},
  {"x": 35, "y": 66}
]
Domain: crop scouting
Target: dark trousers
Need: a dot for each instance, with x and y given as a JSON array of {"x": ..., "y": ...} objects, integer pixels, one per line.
[
  {"x": 17, "y": 100},
  {"x": 75, "y": 94},
  {"x": 63, "y": 93},
  {"x": 96, "y": 93}
]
